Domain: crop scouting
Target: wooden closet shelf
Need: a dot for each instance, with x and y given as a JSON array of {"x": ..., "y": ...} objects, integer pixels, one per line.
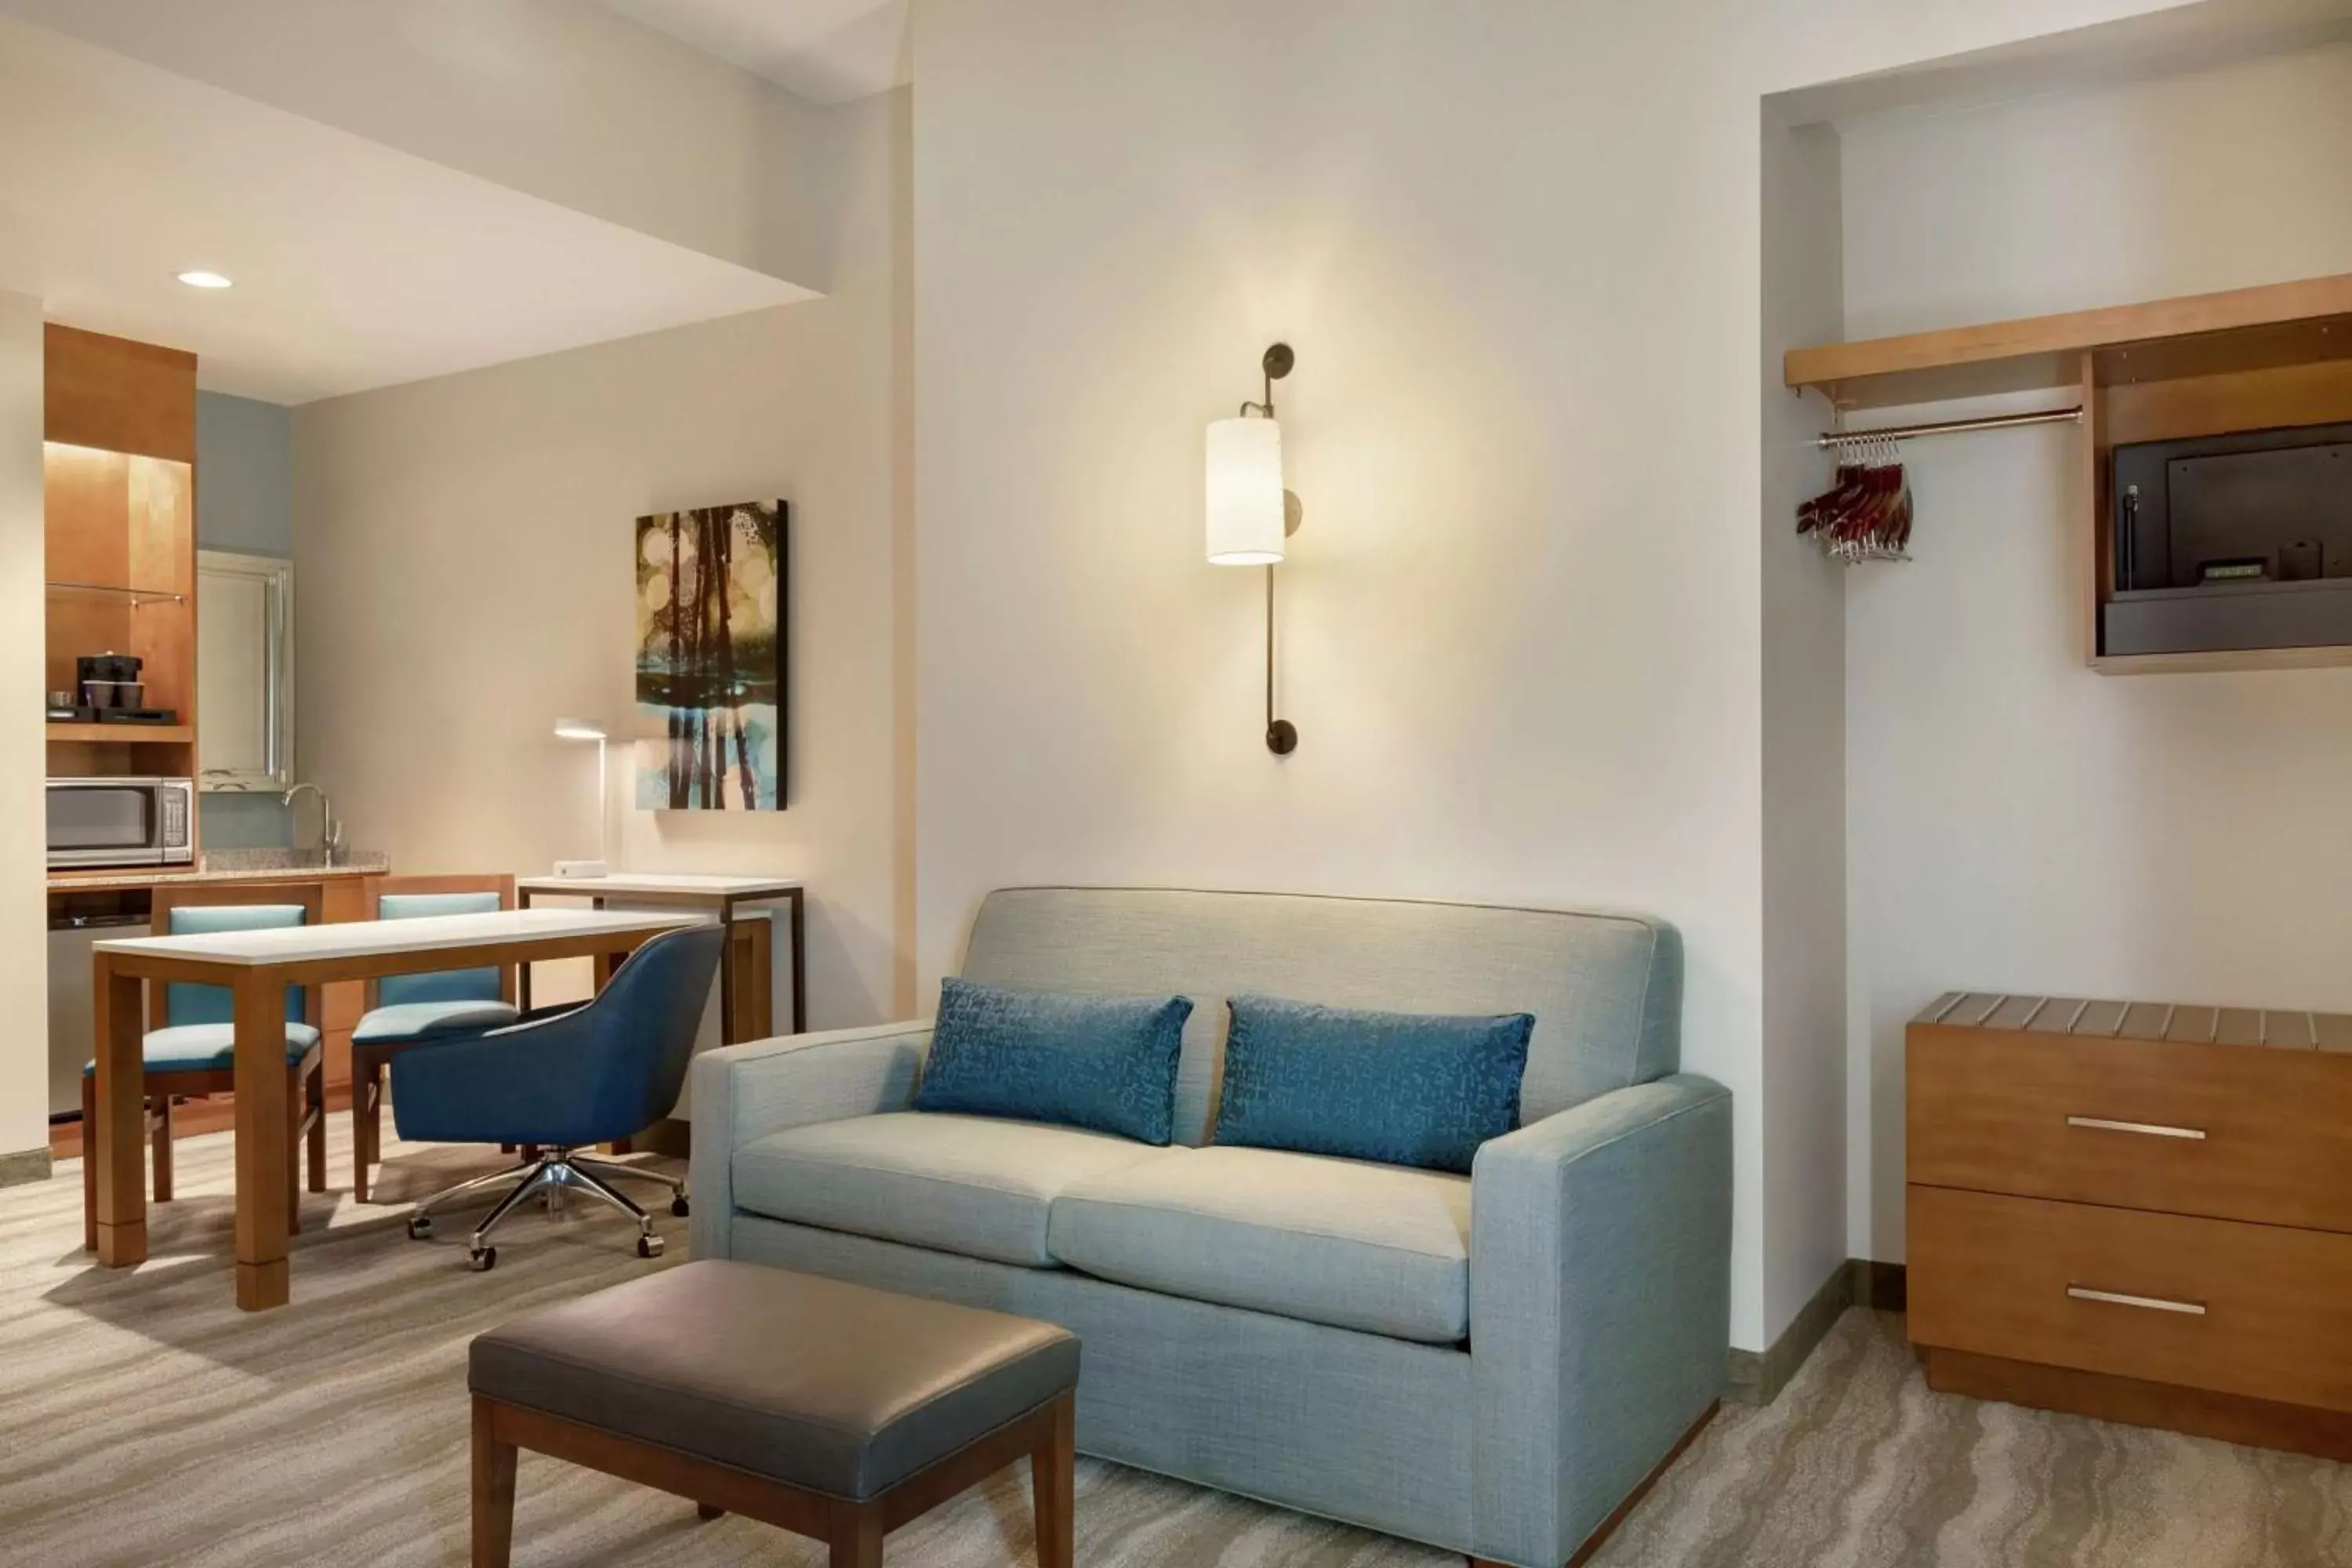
[{"x": 2277, "y": 324}]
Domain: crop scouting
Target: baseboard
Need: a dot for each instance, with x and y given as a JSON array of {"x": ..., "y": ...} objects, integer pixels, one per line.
[
  {"x": 26, "y": 1165},
  {"x": 1756, "y": 1378},
  {"x": 1881, "y": 1286}
]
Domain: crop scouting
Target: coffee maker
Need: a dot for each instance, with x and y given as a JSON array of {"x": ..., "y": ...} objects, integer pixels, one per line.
[{"x": 108, "y": 691}]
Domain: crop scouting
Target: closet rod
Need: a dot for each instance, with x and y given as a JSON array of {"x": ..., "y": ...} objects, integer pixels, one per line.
[{"x": 1949, "y": 427}]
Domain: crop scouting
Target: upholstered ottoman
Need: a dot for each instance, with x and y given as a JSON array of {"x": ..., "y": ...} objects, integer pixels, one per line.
[{"x": 831, "y": 1410}]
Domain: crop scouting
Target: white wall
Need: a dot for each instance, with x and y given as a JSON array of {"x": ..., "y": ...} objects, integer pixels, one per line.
[
  {"x": 1805, "y": 912},
  {"x": 2177, "y": 185},
  {"x": 24, "y": 744},
  {"x": 465, "y": 550},
  {"x": 1522, "y": 664},
  {"x": 1517, "y": 248},
  {"x": 2017, "y": 822}
]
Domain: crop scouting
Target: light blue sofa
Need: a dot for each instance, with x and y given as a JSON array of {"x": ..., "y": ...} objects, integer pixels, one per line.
[{"x": 1487, "y": 1364}]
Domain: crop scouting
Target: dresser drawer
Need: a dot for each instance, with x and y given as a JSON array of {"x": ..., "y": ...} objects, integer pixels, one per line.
[
  {"x": 2253, "y": 1310},
  {"x": 2250, "y": 1133}
]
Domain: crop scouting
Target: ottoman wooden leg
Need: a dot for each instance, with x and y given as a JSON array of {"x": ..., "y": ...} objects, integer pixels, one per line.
[
  {"x": 1051, "y": 1482},
  {"x": 856, "y": 1537},
  {"x": 494, "y": 1490}
]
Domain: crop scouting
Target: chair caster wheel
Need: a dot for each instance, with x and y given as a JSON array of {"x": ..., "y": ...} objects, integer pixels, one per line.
[
  {"x": 678, "y": 1205},
  {"x": 420, "y": 1225},
  {"x": 482, "y": 1259},
  {"x": 649, "y": 1246}
]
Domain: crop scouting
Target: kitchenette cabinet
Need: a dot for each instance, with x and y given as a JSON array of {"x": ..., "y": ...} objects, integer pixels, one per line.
[{"x": 119, "y": 481}]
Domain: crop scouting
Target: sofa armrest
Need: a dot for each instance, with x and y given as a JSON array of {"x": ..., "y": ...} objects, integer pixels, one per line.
[
  {"x": 744, "y": 1092},
  {"x": 1600, "y": 1307}
]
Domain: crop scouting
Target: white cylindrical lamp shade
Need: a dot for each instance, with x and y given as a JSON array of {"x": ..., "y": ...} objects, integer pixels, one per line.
[{"x": 1246, "y": 492}]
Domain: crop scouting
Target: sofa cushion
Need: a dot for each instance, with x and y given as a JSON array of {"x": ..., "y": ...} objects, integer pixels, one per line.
[
  {"x": 1356, "y": 1246},
  {"x": 1406, "y": 1089},
  {"x": 978, "y": 1185},
  {"x": 1104, "y": 1062}
]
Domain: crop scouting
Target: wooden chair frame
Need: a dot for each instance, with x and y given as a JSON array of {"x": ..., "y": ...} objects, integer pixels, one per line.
[
  {"x": 306, "y": 1084},
  {"x": 852, "y": 1529},
  {"x": 369, "y": 1062}
]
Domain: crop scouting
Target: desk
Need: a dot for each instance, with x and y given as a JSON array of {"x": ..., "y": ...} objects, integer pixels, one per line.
[
  {"x": 718, "y": 895},
  {"x": 256, "y": 967}
]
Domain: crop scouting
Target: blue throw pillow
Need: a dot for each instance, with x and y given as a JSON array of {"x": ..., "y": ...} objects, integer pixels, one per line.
[
  {"x": 1107, "y": 1063},
  {"x": 1403, "y": 1089}
]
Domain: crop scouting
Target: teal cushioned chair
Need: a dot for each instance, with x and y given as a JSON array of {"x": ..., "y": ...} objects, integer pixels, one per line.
[
  {"x": 191, "y": 1052},
  {"x": 409, "y": 1009}
]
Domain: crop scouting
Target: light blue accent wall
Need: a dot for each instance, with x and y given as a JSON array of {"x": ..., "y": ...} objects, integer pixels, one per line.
[
  {"x": 245, "y": 475},
  {"x": 244, "y": 501}
]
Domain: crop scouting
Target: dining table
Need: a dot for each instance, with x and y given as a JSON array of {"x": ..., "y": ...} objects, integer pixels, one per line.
[{"x": 256, "y": 967}]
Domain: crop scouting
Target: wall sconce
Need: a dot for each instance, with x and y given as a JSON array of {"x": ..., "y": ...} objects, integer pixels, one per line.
[{"x": 1251, "y": 516}]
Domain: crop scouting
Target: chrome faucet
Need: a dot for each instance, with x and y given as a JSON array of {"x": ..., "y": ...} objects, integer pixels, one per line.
[{"x": 330, "y": 832}]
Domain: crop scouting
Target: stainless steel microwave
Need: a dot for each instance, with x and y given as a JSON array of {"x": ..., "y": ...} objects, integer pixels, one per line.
[{"x": 121, "y": 822}]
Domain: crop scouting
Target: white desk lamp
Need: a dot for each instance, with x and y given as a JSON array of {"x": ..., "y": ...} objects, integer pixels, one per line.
[{"x": 589, "y": 729}]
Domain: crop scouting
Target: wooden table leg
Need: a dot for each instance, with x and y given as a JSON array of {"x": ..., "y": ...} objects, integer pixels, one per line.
[
  {"x": 265, "y": 1152},
  {"x": 120, "y": 1138},
  {"x": 727, "y": 973},
  {"x": 522, "y": 969},
  {"x": 1052, "y": 1483},
  {"x": 161, "y": 1143},
  {"x": 800, "y": 967},
  {"x": 494, "y": 1489}
]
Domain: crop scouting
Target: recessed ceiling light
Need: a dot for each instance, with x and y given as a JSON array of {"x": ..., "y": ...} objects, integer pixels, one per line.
[{"x": 204, "y": 280}]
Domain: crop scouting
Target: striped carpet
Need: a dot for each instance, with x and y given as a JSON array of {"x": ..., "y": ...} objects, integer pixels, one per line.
[{"x": 144, "y": 1421}]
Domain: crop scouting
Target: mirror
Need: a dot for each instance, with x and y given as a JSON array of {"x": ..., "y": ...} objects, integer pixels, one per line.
[{"x": 244, "y": 672}]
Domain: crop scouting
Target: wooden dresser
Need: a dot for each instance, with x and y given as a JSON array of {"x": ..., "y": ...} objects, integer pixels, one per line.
[{"x": 2135, "y": 1211}]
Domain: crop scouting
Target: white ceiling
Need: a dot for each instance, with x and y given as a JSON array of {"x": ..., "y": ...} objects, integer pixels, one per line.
[
  {"x": 826, "y": 51},
  {"x": 355, "y": 265}
]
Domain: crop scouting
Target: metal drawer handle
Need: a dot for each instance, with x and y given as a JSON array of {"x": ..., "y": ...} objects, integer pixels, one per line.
[
  {"x": 2147, "y": 1129},
  {"x": 2152, "y": 1303}
]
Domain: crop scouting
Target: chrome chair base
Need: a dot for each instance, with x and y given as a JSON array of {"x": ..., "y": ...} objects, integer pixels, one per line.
[{"x": 554, "y": 1173}]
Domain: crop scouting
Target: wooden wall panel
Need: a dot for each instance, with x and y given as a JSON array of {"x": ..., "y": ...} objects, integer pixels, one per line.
[
  {"x": 2222, "y": 404},
  {"x": 86, "y": 495},
  {"x": 119, "y": 395}
]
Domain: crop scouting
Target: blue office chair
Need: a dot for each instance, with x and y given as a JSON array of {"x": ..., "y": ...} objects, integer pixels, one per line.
[
  {"x": 405, "y": 1010},
  {"x": 585, "y": 1076}
]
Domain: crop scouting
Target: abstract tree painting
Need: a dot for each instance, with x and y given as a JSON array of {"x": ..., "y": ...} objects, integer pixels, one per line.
[{"x": 710, "y": 674}]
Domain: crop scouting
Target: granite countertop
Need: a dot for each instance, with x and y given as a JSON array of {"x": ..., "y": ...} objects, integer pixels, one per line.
[{"x": 224, "y": 866}]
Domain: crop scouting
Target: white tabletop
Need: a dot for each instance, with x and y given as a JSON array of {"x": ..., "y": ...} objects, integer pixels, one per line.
[
  {"x": 361, "y": 939},
  {"x": 622, "y": 883}
]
